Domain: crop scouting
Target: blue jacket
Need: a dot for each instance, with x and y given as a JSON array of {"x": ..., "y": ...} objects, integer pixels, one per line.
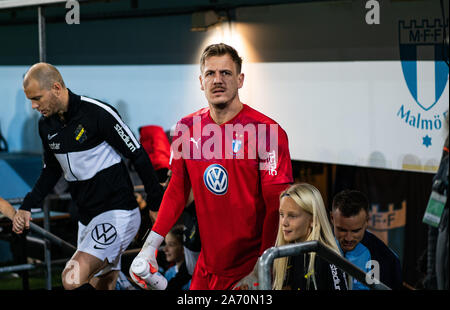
[{"x": 372, "y": 248}]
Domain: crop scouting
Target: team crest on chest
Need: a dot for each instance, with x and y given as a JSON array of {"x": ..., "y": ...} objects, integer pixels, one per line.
[
  {"x": 80, "y": 134},
  {"x": 236, "y": 145}
]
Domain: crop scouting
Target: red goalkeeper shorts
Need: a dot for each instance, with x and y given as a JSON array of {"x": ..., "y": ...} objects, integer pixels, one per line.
[{"x": 203, "y": 280}]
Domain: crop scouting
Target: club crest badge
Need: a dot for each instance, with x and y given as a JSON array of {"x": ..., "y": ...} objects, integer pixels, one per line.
[
  {"x": 80, "y": 134},
  {"x": 419, "y": 42}
]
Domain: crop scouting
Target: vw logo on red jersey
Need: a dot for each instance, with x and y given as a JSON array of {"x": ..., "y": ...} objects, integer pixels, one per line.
[{"x": 216, "y": 179}]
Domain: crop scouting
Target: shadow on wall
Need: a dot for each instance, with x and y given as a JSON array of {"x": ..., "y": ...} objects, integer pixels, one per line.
[
  {"x": 378, "y": 160},
  {"x": 412, "y": 162},
  {"x": 23, "y": 133},
  {"x": 31, "y": 142},
  {"x": 122, "y": 107}
]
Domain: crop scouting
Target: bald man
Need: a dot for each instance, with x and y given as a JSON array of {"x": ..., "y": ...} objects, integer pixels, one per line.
[{"x": 83, "y": 139}]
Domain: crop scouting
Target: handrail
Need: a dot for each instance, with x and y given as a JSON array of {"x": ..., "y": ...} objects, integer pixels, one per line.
[
  {"x": 266, "y": 261},
  {"x": 65, "y": 196},
  {"x": 17, "y": 201},
  {"x": 15, "y": 268},
  {"x": 47, "y": 235},
  {"x": 55, "y": 239},
  {"x": 43, "y": 232}
]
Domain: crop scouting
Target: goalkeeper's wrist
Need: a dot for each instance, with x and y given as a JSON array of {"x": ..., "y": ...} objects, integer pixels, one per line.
[{"x": 151, "y": 244}]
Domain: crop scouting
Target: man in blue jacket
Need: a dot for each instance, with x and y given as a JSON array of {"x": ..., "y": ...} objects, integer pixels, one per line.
[{"x": 350, "y": 216}]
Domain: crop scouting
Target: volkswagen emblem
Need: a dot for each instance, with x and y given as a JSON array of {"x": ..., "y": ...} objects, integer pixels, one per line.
[
  {"x": 104, "y": 234},
  {"x": 216, "y": 179}
]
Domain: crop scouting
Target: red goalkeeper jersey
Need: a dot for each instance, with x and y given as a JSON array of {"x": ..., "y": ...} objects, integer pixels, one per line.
[{"x": 237, "y": 171}]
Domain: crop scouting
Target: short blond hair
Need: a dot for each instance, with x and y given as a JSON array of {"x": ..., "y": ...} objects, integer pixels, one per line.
[{"x": 221, "y": 49}]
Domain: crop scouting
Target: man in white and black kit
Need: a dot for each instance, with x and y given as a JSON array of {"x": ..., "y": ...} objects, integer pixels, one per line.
[{"x": 82, "y": 139}]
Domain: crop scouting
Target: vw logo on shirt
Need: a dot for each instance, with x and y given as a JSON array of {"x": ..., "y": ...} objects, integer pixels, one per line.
[{"x": 216, "y": 179}]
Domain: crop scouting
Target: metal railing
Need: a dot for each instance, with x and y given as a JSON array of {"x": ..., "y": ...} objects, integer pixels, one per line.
[
  {"x": 266, "y": 262},
  {"x": 49, "y": 237},
  {"x": 45, "y": 242}
]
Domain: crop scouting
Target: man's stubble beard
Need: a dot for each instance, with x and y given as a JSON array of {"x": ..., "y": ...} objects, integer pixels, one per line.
[
  {"x": 220, "y": 106},
  {"x": 223, "y": 105}
]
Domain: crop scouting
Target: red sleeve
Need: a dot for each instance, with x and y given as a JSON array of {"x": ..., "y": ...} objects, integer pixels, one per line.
[
  {"x": 172, "y": 205},
  {"x": 276, "y": 176}
]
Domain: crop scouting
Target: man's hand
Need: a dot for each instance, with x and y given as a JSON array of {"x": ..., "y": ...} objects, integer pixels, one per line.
[
  {"x": 249, "y": 282},
  {"x": 21, "y": 221}
]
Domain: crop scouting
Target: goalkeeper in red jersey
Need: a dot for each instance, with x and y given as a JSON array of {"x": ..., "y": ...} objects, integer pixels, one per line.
[{"x": 237, "y": 162}]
